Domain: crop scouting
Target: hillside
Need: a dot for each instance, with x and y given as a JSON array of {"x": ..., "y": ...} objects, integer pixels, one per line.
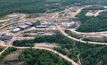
[
  {"x": 89, "y": 54},
  {"x": 41, "y": 57},
  {"x": 92, "y": 24},
  {"x": 40, "y": 6}
]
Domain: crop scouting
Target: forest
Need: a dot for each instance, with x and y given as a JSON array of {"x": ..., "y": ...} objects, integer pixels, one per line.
[
  {"x": 88, "y": 54},
  {"x": 40, "y": 6},
  {"x": 41, "y": 57},
  {"x": 91, "y": 23}
]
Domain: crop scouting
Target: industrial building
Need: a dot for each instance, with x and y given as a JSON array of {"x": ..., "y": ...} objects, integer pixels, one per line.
[
  {"x": 29, "y": 24},
  {"x": 5, "y": 37},
  {"x": 23, "y": 26},
  {"x": 15, "y": 30},
  {"x": 41, "y": 26}
]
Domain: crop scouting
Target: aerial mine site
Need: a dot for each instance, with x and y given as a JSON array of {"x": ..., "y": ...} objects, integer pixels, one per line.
[{"x": 53, "y": 32}]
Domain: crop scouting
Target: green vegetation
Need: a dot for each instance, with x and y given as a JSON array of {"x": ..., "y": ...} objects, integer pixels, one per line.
[
  {"x": 41, "y": 57},
  {"x": 88, "y": 54},
  {"x": 24, "y": 43},
  {"x": 1, "y": 49},
  {"x": 92, "y": 24},
  {"x": 39, "y": 39},
  {"x": 73, "y": 34},
  {"x": 33, "y": 7},
  {"x": 94, "y": 55},
  {"x": 92, "y": 39},
  {"x": 8, "y": 51},
  {"x": 104, "y": 39},
  {"x": 28, "y": 35}
]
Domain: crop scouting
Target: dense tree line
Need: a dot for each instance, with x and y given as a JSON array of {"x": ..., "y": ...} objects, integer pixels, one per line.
[
  {"x": 104, "y": 39},
  {"x": 39, "y": 6},
  {"x": 91, "y": 23},
  {"x": 56, "y": 38},
  {"x": 41, "y": 57},
  {"x": 89, "y": 54}
]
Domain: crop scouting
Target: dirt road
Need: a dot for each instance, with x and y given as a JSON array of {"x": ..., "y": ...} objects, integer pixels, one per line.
[
  {"x": 75, "y": 39},
  {"x": 51, "y": 50}
]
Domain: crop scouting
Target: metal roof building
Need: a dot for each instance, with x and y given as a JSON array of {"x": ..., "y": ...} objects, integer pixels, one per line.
[
  {"x": 23, "y": 26},
  {"x": 15, "y": 30},
  {"x": 42, "y": 26}
]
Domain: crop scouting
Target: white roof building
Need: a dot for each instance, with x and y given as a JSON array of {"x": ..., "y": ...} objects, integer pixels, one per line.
[
  {"x": 23, "y": 26},
  {"x": 70, "y": 23},
  {"x": 15, "y": 30}
]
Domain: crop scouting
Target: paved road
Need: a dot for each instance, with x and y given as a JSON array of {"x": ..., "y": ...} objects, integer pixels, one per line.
[{"x": 75, "y": 39}]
